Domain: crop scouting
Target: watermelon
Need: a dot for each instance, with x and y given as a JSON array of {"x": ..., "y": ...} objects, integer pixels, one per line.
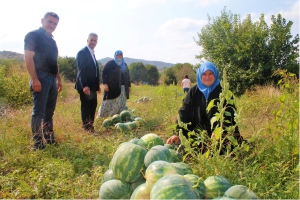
[
  {"x": 184, "y": 167},
  {"x": 108, "y": 175},
  {"x": 215, "y": 186},
  {"x": 194, "y": 180},
  {"x": 116, "y": 119},
  {"x": 141, "y": 192},
  {"x": 121, "y": 127},
  {"x": 115, "y": 189},
  {"x": 134, "y": 140},
  {"x": 150, "y": 140},
  {"x": 157, "y": 170},
  {"x": 173, "y": 186},
  {"x": 125, "y": 115},
  {"x": 240, "y": 192},
  {"x": 177, "y": 157},
  {"x": 107, "y": 122},
  {"x": 158, "y": 152},
  {"x": 127, "y": 163},
  {"x": 130, "y": 125},
  {"x": 140, "y": 120},
  {"x": 170, "y": 146}
]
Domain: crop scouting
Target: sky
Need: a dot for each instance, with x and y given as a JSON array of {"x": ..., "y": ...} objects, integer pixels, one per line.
[{"x": 154, "y": 30}]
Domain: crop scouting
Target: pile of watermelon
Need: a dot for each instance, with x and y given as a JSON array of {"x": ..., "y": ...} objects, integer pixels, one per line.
[
  {"x": 123, "y": 122},
  {"x": 143, "y": 99},
  {"x": 146, "y": 168}
]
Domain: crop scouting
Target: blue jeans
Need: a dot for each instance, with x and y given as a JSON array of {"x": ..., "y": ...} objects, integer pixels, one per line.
[
  {"x": 44, "y": 103},
  {"x": 186, "y": 90}
]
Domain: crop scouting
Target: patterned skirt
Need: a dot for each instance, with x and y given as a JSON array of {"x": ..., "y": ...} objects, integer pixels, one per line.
[{"x": 113, "y": 106}]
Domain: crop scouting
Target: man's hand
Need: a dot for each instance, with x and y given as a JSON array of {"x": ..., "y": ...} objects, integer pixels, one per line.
[
  {"x": 106, "y": 89},
  {"x": 86, "y": 90},
  {"x": 36, "y": 85},
  {"x": 59, "y": 85}
]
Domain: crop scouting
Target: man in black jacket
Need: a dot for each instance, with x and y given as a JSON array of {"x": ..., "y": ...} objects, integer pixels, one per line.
[{"x": 88, "y": 82}]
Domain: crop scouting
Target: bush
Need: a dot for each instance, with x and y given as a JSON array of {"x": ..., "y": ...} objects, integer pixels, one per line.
[{"x": 16, "y": 90}]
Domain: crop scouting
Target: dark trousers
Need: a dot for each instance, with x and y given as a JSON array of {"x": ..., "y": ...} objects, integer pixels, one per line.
[{"x": 88, "y": 108}]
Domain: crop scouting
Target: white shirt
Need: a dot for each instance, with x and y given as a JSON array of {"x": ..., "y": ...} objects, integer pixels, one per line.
[
  {"x": 186, "y": 83},
  {"x": 93, "y": 56}
]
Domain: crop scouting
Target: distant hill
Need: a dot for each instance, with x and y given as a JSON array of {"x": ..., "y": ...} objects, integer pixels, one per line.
[
  {"x": 11, "y": 55},
  {"x": 158, "y": 64}
]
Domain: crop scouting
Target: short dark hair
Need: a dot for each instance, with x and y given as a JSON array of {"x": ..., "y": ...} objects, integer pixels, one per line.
[
  {"x": 93, "y": 34},
  {"x": 52, "y": 14},
  {"x": 186, "y": 76}
]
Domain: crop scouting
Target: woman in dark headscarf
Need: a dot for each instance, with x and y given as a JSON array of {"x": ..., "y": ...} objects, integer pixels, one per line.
[
  {"x": 116, "y": 81},
  {"x": 193, "y": 109}
]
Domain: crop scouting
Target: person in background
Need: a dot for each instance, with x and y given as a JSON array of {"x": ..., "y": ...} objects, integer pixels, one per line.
[
  {"x": 40, "y": 54},
  {"x": 186, "y": 84},
  {"x": 116, "y": 81},
  {"x": 88, "y": 82},
  {"x": 194, "y": 106}
]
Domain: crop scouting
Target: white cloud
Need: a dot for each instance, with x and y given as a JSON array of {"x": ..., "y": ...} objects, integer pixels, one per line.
[{"x": 180, "y": 28}]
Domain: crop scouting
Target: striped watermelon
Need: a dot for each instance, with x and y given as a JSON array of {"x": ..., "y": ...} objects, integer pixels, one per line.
[
  {"x": 173, "y": 186},
  {"x": 177, "y": 157},
  {"x": 158, "y": 152},
  {"x": 170, "y": 146},
  {"x": 157, "y": 170},
  {"x": 127, "y": 163},
  {"x": 115, "y": 189},
  {"x": 134, "y": 140},
  {"x": 240, "y": 192},
  {"x": 107, "y": 122},
  {"x": 194, "y": 180},
  {"x": 150, "y": 140},
  {"x": 125, "y": 115},
  {"x": 184, "y": 167},
  {"x": 141, "y": 192},
  {"x": 108, "y": 175},
  {"x": 215, "y": 186}
]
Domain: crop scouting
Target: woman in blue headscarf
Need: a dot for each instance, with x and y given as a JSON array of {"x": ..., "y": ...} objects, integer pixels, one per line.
[
  {"x": 193, "y": 109},
  {"x": 116, "y": 81}
]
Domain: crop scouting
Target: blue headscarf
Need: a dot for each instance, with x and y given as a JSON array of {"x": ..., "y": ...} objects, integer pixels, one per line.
[
  {"x": 206, "y": 90},
  {"x": 121, "y": 62}
]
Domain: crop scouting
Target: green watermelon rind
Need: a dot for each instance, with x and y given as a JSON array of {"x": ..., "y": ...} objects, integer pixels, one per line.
[
  {"x": 173, "y": 186},
  {"x": 115, "y": 189},
  {"x": 150, "y": 140},
  {"x": 128, "y": 162},
  {"x": 240, "y": 192},
  {"x": 216, "y": 186},
  {"x": 158, "y": 152}
]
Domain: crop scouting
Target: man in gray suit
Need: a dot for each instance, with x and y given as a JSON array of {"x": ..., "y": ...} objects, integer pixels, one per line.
[{"x": 88, "y": 82}]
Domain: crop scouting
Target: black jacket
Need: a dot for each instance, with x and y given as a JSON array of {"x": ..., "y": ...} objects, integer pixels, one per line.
[
  {"x": 194, "y": 110},
  {"x": 88, "y": 73},
  {"x": 114, "y": 78}
]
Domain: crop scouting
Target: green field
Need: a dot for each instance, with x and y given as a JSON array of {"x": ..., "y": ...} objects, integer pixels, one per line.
[{"x": 268, "y": 119}]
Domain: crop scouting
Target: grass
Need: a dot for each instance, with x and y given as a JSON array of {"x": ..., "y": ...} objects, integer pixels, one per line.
[{"x": 74, "y": 169}]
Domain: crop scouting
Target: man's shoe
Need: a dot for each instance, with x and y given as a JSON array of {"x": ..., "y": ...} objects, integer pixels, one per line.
[{"x": 49, "y": 137}]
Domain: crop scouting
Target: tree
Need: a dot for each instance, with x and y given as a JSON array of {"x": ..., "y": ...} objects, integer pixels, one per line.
[
  {"x": 138, "y": 72},
  {"x": 186, "y": 69},
  {"x": 152, "y": 75},
  {"x": 250, "y": 51},
  {"x": 67, "y": 67}
]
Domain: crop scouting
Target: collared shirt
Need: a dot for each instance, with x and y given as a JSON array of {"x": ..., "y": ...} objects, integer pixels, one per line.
[
  {"x": 94, "y": 58},
  {"x": 92, "y": 54},
  {"x": 45, "y": 49}
]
